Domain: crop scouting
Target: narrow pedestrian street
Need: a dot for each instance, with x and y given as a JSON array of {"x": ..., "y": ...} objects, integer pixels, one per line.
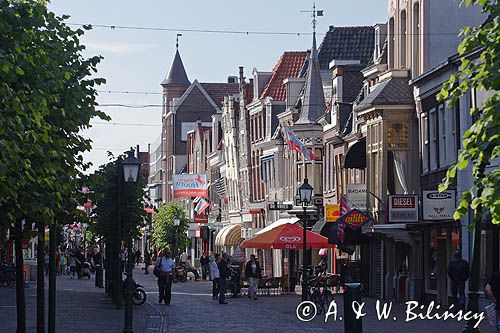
[{"x": 81, "y": 307}]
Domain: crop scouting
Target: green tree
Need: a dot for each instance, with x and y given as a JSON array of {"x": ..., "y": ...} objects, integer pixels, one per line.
[
  {"x": 481, "y": 142},
  {"x": 117, "y": 204},
  {"x": 47, "y": 97},
  {"x": 164, "y": 230}
]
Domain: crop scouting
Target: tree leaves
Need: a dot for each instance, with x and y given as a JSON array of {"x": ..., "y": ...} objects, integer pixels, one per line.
[
  {"x": 42, "y": 75},
  {"x": 482, "y": 140}
]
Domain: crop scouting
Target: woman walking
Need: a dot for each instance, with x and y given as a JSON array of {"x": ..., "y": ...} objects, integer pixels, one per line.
[
  {"x": 252, "y": 273},
  {"x": 214, "y": 275},
  {"x": 166, "y": 265}
]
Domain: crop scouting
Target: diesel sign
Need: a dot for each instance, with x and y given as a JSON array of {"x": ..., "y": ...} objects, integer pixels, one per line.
[{"x": 403, "y": 208}]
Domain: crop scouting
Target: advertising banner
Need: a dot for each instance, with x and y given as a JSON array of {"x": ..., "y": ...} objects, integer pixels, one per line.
[
  {"x": 438, "y": 205},
  {"x": 355, "y": 219},
  {"x": 403, "y": 208},
  {"x": 356, "y": 193},
  {"x": 332, "y": 213},
  {"x": 190, "y": 185}
]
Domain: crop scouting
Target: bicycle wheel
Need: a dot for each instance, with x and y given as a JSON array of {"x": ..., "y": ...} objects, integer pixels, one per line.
[
  {"x": 139, "y": 297},
  {"x": 327, "y": 299},
  {"x": 316, "y": 298},
  {"x": 230, "y": 289}
]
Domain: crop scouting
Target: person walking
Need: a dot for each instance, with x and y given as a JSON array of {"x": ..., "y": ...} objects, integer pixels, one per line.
[
  {"x": 166, "y": 265},
  {"x": 224, "y": 274},
  {"x": 147, "y": 261},
  {"x": 137, "y": 257},
  {"x": 253, "y": 274},
  {"x": 46, "y": 259},
  {"x": 64, "y": 260},
  {"x": 214, "y": 274},
  {"x": 72, "y": 264},
  {"x": 205, "y": 266},
  {"x": 458, "y": 271},
  {"x": 492, "y": 290}
]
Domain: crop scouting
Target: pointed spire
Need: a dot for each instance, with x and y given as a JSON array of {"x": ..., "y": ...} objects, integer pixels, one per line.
[
  {"x": 314, "y": 99},
  {"x": 177, "y": 73}
]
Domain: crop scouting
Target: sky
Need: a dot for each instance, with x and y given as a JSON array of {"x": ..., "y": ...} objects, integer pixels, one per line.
[{"x": 138, "y": 60}]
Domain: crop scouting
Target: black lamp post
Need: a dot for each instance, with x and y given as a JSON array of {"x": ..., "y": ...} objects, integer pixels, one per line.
[
  {"x": 177, "y": 223},
  {"x": 130, "y": 170},
  {"x": 305, "y": 194}
]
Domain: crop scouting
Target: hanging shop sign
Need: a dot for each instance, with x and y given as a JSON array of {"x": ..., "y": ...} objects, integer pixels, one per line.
[
  {"x": 279, "y": 206},
  {"x": 403, "y": 208},
  {"x": 438, "y": 205},
  {"x": 198, "y": 218},
  {"x": 355, "y": 219},
  {"x": 332, "y": 212},
  {"x": 356, "y": 193},
  {"x": 190, "y": 185}
]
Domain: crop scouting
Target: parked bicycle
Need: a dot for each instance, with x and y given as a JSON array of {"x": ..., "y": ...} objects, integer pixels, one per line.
[{"x": 319, "y": 293}]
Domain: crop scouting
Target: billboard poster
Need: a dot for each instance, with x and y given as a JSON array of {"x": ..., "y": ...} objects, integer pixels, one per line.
[
  {"x": 438, "y": 205},
  {"x": 403, "y": 208},
  {"x": 190, "y": 185},
  {"x": 332, "y": 212},
  {"x": 356, "y": 193}
]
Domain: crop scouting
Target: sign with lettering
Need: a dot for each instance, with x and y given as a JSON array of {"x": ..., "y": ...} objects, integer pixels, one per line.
[
  {"x": 332, "y": 212},
  {"x": 356, "y": 193},
  {"x": 403, "y": 208},
  {"x": 199, "y": 218},
  {"x": 190, "y": 185},
  {"x": 438, "y": 205},
  {"x": 355, "y": 219},
  {"x": 279, "y": 206}
]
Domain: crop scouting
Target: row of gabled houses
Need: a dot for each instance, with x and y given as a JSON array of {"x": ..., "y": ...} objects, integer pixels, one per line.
[{"x": 364, "y": 104}]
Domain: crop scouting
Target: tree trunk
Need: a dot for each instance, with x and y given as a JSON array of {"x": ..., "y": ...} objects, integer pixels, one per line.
[
  {"x": 20, "y": 292},
  {"x": 40, "y": 280},
  {"x": 52, "y": 279}
]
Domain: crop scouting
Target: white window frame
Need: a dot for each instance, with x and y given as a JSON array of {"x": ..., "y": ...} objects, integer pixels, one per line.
[
  {"x": 442, "y": 135},
  {"x": 433, "y": 139},
  {"x": 424, "y": 126}
]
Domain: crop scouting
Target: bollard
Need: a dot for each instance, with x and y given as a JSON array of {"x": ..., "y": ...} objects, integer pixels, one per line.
[
  {"x": 352, "y": 293},
  {"x": 99, "y": 277}
]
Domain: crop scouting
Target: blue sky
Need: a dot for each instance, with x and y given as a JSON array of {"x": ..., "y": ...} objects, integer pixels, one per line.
[{"x": 138, "y": 60}]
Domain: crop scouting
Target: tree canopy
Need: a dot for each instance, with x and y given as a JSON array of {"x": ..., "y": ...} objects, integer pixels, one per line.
[
  {"x": 164, "y": 228},
  {"x": 47, "y": 97}
]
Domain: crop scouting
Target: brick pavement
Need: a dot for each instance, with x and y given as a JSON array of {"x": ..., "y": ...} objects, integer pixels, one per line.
[
  {"x": 85, "y": 308},
  {"x": 81, "y": 307},
  {"x": 193, "y": 310}
]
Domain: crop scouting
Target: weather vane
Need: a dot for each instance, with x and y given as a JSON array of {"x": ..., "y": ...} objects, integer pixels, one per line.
[
  {"x": 314, "y": 14},
  {"x": 177, "y": 41}
]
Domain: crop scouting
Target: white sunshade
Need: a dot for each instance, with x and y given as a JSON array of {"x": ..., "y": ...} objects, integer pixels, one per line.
[{"x": 277, "y": 223}]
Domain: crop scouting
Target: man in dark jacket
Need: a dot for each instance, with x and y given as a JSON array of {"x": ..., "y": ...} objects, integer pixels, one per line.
[
  {"x": 458, "y": 271},
  {"x": 224, "y": 273},
  {"x": 205, "y": 266}
]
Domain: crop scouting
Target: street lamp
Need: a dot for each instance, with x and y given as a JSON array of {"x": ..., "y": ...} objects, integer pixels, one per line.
[
  {"x": 177, "y": 223},
  {"x": 305, "y": 194},
  {"x": 130, "y": 171}
]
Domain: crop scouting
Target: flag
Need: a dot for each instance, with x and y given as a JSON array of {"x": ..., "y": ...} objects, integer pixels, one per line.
[
  {"x": 295, "y": 144},
  {"x": 201, "y": 206},
  {"x": 220, "y": 187},
  {"x": 344, "y": 209}
]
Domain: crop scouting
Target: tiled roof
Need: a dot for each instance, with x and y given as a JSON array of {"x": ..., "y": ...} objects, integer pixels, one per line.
[
  {"x": 390, "y": 92},
  {"x": 217, "y": 91},
  {"x": 288, "y": 66},
  {"x": 347, "y": 43}
]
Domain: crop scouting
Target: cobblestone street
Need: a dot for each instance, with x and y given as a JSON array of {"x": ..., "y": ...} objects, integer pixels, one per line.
[{"x": 82, "y": 307}]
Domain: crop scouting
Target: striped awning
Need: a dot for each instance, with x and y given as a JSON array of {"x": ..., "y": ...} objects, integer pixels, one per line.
[{"x": 230, "y": 235}]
